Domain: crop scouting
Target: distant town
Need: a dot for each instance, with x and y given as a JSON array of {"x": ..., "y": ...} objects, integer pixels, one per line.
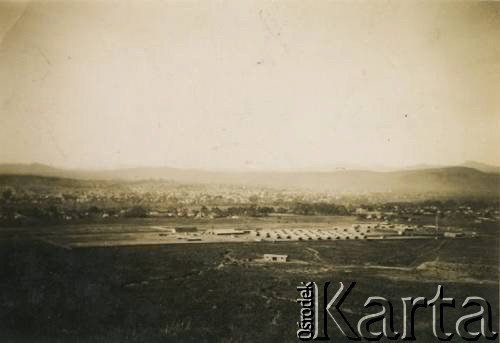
[{"x": 41, "y": 200}]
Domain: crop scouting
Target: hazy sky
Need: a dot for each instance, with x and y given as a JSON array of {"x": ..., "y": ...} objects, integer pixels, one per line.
[{"x": 249, "y": 84}]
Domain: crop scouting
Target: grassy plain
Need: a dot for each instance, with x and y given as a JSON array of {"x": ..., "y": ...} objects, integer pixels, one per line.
[{"x": 219, "y": 292}]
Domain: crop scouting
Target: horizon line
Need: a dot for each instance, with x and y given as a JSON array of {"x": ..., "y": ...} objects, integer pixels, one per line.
[{"x": 323, "y": 168}]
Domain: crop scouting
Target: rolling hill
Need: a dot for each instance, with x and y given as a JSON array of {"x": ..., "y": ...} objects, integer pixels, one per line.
[{"x": 444, "y": 180}]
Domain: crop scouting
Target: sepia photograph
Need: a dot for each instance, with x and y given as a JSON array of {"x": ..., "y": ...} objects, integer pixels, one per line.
[{"x": 249, "y": 171}]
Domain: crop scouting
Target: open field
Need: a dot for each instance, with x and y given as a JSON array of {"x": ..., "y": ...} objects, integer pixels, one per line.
[
  {"x": 223, "y": 230},
  {"x": 148, "y": 232},
  {"x": 222, "y": 292}
]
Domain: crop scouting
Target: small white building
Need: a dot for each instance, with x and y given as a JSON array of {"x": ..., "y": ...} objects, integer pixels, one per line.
[
  {"x": 275, "y": 258},
  {"x": 454, "y": 234}
]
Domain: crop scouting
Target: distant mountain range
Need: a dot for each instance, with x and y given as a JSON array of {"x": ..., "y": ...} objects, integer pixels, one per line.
[
  {"x": 381, "y": 168},
  {"x": 482, "y": 167},
  {"x": 470, "y": 178}
]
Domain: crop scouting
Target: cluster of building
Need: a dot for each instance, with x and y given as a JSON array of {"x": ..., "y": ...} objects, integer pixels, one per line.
[
  {"x": 361, "y": 231},
  {"x": 312, "y": 234},
  {"x": 106, "y": 200}
]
